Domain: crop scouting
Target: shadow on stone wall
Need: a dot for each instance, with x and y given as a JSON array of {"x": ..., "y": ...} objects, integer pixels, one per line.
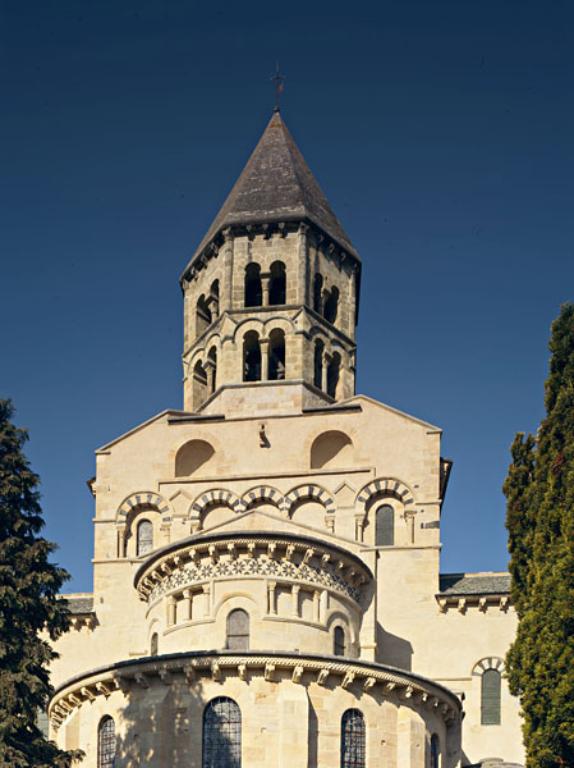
[
  {"x": 393, "y": 650},
  {"x": 162, "y": 725}
]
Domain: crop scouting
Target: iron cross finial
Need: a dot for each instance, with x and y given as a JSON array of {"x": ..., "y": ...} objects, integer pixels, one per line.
[{"x": 279, "y": 81}]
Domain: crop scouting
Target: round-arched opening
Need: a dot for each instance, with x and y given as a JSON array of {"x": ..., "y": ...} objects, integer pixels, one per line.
[
  {"x": 237, "y": 635},
  {"x": 251, "y": 357},
  {"x": 333, "y": 371},
  {"x": 203, "y": 315},
  {"x": 318, "y": 351},
  {"x": 253, "y": 289},
  {"x": 199, "y": 384},
  {"x": 106, "y": 742},
  {"x": 191, "y": 456},
  {"x": 276, "y": 355},
  {"x": 144, "y": 537},
  {"x": 318, "y": 293},
  {"x": 339, "y": 644},
  {"x": 331, "y": 305},
  {"x": 277, "y": 283}
]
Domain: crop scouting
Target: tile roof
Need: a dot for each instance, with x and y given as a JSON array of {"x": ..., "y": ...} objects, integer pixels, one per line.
[
  {"x": 79, "y": 604},
  {"x": 474, "y": 583},
  {"x": 276, "y": 185}
]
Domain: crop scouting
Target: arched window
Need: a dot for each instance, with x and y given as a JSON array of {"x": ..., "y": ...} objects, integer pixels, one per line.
[
  {"x": 213, "y": 300},
  {"x": 276, "y": 354},
  {"x": 199, "y": 384},
  {"x": 203, "y": 315},
  {"x": 106, "y": 743},
  {"x": 352, "y": 739},
  {"x": 237, "y": 630},
  {"x": 251, "y": 357},
  {"x": 211, "y": 369},
  {"x": 144, "y": 537},
  {"x": 318, "y": 363},
  {"x": 318, "y": 293},
  {"x": 385, "y": 526},
  {"x": 331, "y": 305},
  {"x": 339, "y": 648},
  {"x": 490, "y": 697},
  {"x": 154, "y": 643},
  {"x": 221, "y": 734},
  {"x": 277, "y": 283},
  {"x": 333, "y": 374},
  {"x": 434, "y": 752},
  {"x": 253, "y": 290}
]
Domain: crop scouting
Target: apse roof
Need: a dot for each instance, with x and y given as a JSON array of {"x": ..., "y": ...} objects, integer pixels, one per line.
[{"x": 277, "y": 185}]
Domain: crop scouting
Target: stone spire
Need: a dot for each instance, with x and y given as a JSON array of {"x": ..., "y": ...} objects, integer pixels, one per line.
[{"x": 271, "y": 293}]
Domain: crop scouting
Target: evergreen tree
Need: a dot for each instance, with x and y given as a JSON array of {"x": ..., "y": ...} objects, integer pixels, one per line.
[
  {"x": 29, "y": 608},
  {"x": 540, "y": 520}
]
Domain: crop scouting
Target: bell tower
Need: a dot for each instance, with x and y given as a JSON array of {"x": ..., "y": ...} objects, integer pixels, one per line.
[{"x": 271, "y": 293}]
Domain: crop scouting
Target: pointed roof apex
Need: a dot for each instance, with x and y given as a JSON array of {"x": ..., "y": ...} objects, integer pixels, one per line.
[{"x": 277, "y": 185}]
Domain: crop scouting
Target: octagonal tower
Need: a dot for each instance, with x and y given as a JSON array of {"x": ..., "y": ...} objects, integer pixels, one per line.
[{"x": 271, "y": 293}]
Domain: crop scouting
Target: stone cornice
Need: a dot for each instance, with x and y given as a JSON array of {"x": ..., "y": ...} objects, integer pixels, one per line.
[
  {"x": 462, "y": 602},
  {"x": 189, "y": 668},
  {"x": 308, "y": 558}
]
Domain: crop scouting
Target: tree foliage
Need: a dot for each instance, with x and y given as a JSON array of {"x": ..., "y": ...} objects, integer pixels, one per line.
[
  {"x": 540, "y": 520},
  {"x": 30, "y": 612}
]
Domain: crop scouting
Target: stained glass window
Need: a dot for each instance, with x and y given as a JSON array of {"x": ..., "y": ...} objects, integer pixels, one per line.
[
  {"x": 221, "y": 734},
  {"x": 238, "y": 630},
  {"x": 353, "y": 739},
  {"x": 385, "y": 526},
  {"x": 145, "y": 537},
  {"x": 490, "y": 698},
  {"x": 106, "y": 743}
]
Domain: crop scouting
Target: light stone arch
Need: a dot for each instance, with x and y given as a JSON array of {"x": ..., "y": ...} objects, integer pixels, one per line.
[
  {"x": 143, "y": 498},
  {"x": 250, "y": 324},
  {"x": 281, "y": 323},
  {"x": 384, "y": 486},
  {"x": 489, "y": 662},
  {"x": 307, "y": 492},
  {"x": 262, "y": 493},
  {"x": 235, "y": 598},
  {"x": 217, "y": 496}
]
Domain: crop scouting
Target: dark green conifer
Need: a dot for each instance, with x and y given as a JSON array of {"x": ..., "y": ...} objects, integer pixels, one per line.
[
  {"x": 30, "y": 612},
  {"x": 540, "y": 519}
]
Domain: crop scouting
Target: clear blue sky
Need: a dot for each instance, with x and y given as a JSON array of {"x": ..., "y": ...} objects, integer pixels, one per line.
[{"x": 442, "y": 135}]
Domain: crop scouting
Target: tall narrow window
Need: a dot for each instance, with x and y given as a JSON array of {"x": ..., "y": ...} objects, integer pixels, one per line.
[
  {"x": 318, "y": 363},
  {"x": 490, "y": 698},
  {"x": 221, "y": 734},
  {"x": 434, "y": 751},
  {"x": 333, "y": 374},
  {"x": 211, "y": 370},
  {"x": 277, "y": 283},
  {"x": 213, "y": 299},
  {"x": 331, "y": 305},
  {"x": 145, "y": 537},
  {"x": 353, "y": 739},
  {"x": 318, "y": 293},
  {"x": 153, "y": 650},
  {"x": 199, "y": 384},
  {"x": 238, "y": 630},
  {"x": 106, "y": 743},
  {"x": 385, "y": 526},
  {"x": 251, "y": 357},
  {"x": 276, "y": 354},
  {"x": 203, "y": 315},
  {"x": 339, "y": 648},
  {"x": 253, "y": 289}
]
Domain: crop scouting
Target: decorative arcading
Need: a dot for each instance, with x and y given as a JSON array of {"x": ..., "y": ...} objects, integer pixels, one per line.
[
  {"x": 389, "y": 486},
  {"x": 148, "y": 498},
  {"x": 190, "y": 668},
  {"x": 246, "y": 556},
  {"x": 263, "y": 493},
  {"x": 308, "y": 492},
  {"x": 218, "y": 496}
]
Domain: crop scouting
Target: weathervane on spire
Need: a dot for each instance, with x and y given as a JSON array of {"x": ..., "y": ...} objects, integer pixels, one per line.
[{"x": 279, "y": 81}]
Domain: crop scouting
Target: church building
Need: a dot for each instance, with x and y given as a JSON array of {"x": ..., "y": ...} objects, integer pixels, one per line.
[{"x": 267, "y": 590}]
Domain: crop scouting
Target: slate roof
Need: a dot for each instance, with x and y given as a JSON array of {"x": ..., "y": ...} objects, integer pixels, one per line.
[
  {"x": 79, "y": 604},
  {"x": 276, "y": 185},
  {"x": 474, "y": 583}
]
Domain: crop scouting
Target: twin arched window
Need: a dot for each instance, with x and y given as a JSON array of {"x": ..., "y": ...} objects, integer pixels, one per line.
[
  {"x": 144, "y": 537},
  {"x": 237, "y": 630},
  {"x": 353, "y": 741},
  {"x": 221, "y": 734},
  {"x": 269, "y": 288},
  {"x": 385, "y": 526},
  {"x": 106, "y": 743},
  {"x": 490, "y": 697},
  {"x": 270, "y": 367}
]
